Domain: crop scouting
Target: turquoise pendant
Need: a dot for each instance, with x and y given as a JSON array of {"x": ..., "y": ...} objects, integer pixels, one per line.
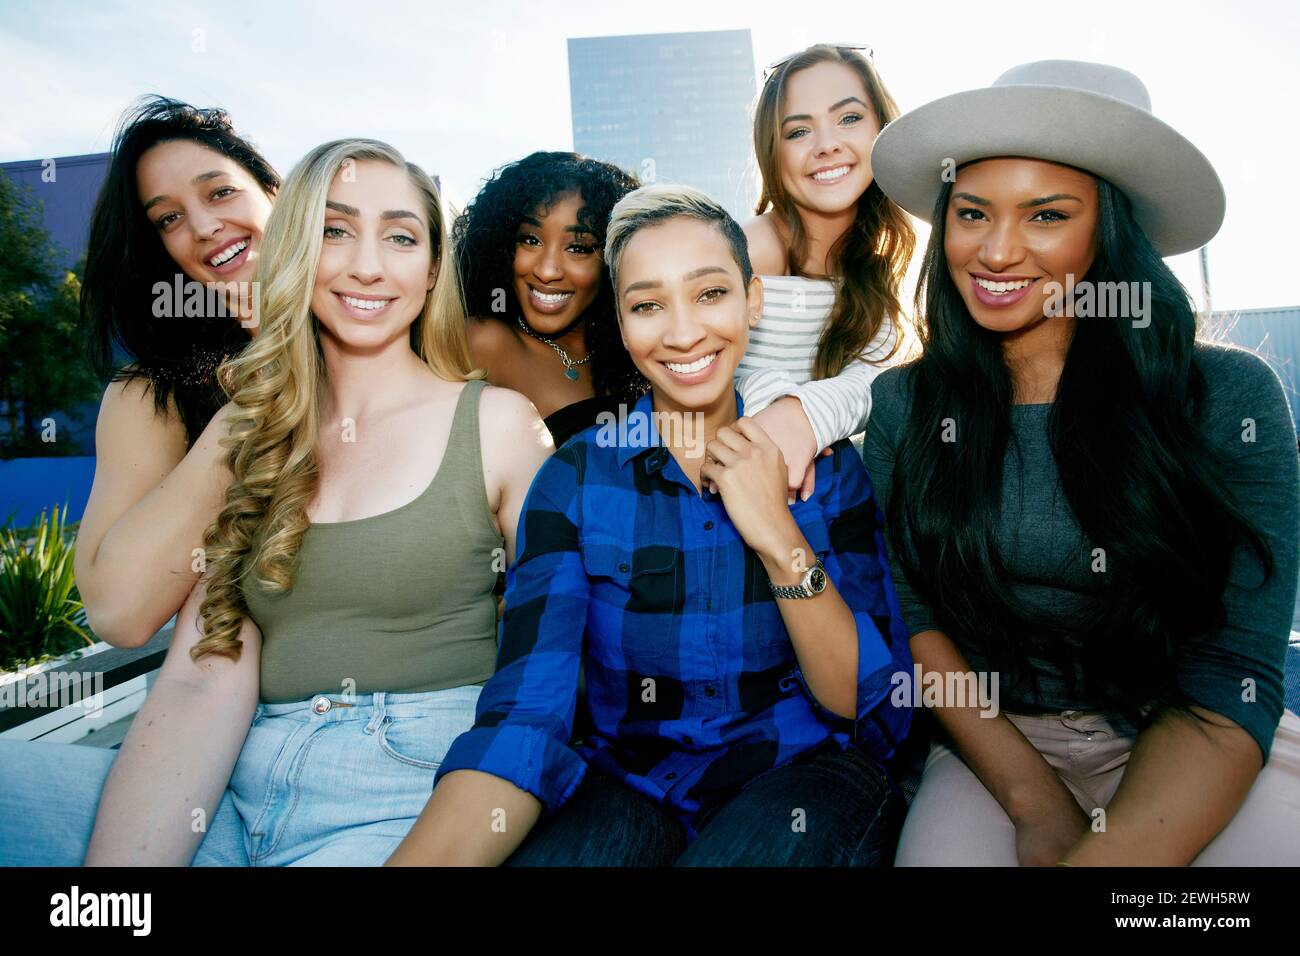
[{"x": 571, "y": 374}]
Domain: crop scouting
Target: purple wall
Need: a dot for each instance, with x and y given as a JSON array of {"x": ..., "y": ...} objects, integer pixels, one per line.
[{"x": 68, "y": 201}]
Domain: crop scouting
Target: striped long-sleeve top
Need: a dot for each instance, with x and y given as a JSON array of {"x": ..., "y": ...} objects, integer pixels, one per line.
[{"x": 779, "y": 360}]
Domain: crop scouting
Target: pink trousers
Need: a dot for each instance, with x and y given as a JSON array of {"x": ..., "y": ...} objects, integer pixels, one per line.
[{"x": 955, "y": 821}]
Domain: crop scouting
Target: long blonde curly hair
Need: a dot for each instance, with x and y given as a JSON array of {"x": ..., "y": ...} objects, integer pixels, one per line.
[{"x": 277, "y": 385}]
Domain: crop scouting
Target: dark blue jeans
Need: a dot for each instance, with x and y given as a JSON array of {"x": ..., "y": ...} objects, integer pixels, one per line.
[{"x": 824, "y": 808}]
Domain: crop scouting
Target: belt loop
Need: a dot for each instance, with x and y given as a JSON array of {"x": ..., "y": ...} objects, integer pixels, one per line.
[{"x": 377, "y": 711}]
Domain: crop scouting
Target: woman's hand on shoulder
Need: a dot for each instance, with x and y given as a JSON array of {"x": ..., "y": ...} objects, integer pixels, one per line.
[{"x": 786, "y": 423}]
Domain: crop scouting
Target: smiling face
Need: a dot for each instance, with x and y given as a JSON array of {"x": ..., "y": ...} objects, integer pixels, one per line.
[
  {"x": 558, "y": 267},
  {"x": 208, "y": 210},
  {"x": 685, "y": 312},
  {"x": 827, "y": 130},
  {"x": 1013, "y": 226},
  {"x": 376, "y": 261}
]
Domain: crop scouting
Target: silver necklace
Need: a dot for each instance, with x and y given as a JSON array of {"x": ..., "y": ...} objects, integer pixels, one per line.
[{"x": 570, "y": 365}]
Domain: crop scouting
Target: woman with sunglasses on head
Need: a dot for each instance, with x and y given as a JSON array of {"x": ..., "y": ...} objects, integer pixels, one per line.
[
  {"x": 536, "y": 286},
  {"x": 830, "y": 248},
  {"x": 1082, "y": 498},
  {"x": 371, "y": 601}
]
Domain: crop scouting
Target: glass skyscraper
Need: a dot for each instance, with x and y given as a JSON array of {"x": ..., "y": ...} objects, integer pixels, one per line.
[{"x": 670, "y": 107}]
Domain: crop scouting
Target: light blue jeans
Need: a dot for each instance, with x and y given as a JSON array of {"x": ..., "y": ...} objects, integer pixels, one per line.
[{"x": 322, "y": 782}]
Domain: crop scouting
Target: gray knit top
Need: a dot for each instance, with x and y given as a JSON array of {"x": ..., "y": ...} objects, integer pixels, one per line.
[{"x": 1237, "y": 671}]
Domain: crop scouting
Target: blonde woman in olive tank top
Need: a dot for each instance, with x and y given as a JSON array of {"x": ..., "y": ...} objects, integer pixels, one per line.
[{"x": 374, "y": 486}]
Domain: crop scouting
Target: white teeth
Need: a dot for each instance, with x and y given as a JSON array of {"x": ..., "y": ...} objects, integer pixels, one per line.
[
  {"x": 369, "y": 305},
  {"x": 695, "y": 366},
  {"x": 1000, "y": 288},
  {"x": 227, "y": 254},
  {"x": 830, "y": 175},
  {"x": 550, "y": 298}
]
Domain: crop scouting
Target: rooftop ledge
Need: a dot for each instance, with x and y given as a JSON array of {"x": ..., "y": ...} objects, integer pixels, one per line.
[{"x": 68, "y": 699}]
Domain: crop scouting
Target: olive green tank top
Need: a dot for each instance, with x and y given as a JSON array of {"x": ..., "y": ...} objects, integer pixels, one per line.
[{"x": 399, "y": 602}]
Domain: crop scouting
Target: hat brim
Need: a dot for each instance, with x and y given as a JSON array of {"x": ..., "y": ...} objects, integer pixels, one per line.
[{"x": 1175, "y": 193}]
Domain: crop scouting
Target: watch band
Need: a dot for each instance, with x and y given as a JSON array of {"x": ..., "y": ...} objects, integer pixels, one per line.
[{"x": 813, "y": 583}]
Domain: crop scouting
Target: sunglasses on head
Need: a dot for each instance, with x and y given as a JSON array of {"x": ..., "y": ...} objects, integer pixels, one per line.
[{"x": 777, "y": 64}]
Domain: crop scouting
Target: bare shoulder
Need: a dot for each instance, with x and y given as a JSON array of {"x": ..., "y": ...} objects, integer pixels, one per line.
[
  {"x": 489, "y": 337},
  {"x": 767, "y": 252},
  {"x": 129, "y": 421},
  {"x": 513, "y": 440},
  {"x": 508, "y": 416}
]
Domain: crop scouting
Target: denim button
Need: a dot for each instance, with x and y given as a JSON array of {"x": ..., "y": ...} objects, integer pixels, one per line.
[
  {"x": 670, "y": 775},
  {"x": 321, "y": 705},
  {"x": 687, "y": 741},
  {"x": 710, "y": 691},
  {"x": 708, "y": 526}
]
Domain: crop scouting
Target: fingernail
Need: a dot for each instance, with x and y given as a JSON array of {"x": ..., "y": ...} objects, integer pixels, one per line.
[
  {"x": 804, "y": 496},
  {"x": 790, "y": 500}
]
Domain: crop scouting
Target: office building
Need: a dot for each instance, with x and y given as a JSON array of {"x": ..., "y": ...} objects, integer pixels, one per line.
[{"x": 670, "y": 107}]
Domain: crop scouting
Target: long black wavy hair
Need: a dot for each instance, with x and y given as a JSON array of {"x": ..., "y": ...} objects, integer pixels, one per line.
[
  {"x": 484, "y": 238},
  {"x": 1141, "y": 482},
  {"x": 126, "y": 257}
]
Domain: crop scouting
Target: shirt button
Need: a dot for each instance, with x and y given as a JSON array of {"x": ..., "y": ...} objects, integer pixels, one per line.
[
  {"x": 687, "y": 741},
  {"x": 710, "y": 691},
  {"x": 708, "y": 526},
  {"x": 670, "y": 776},
  {"x": 322, "y": 705},
  {"x": 624, "y": 568}
]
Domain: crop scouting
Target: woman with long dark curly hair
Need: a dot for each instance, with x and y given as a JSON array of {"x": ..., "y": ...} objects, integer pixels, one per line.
[{"x": 537, "y": 290}]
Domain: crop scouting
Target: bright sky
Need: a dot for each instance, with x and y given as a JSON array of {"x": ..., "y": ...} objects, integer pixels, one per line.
[{"x": 463, "y": 87}]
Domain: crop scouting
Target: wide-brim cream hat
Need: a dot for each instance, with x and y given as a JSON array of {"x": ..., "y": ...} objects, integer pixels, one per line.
[{"x": 1087, "y": 115}]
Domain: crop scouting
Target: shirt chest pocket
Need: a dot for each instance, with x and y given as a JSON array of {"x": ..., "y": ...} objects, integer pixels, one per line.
[{"x": 637, "y": 598}]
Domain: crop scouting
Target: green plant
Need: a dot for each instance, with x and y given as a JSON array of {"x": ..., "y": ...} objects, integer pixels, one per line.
[{"x": 41, "y": 614}]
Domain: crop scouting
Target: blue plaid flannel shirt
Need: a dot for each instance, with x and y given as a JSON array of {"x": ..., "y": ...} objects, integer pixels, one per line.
[{"x": 691, "y": 680}]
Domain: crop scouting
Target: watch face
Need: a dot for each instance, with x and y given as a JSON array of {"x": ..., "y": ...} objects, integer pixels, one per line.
[{"x": 817, "y": 580}]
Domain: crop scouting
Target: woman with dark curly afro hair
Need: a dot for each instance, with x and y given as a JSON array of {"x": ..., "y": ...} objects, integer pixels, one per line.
[{"x": 537, "y": 290}]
